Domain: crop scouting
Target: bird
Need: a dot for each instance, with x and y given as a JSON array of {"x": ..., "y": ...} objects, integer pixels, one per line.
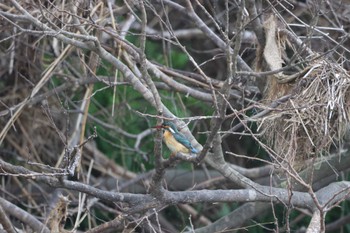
[{"x": 175, "y": 141}]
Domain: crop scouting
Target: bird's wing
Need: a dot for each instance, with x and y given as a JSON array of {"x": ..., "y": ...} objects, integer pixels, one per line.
[{"x": 182, "y": 139}]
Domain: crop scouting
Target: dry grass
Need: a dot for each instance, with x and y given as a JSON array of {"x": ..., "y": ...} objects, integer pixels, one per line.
[{"x": 314, "y": 119}]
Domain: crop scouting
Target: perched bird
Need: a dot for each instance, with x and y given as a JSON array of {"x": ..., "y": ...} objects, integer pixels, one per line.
[{"x": 175, "y": 141}]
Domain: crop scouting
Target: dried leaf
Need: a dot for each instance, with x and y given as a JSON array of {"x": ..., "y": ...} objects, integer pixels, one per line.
[
  {"x": 58, "y": 215},
  {"x": 272, "y": 50}
]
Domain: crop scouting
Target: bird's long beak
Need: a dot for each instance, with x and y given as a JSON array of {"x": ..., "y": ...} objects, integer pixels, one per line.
[{"x": 158, "y": 127}]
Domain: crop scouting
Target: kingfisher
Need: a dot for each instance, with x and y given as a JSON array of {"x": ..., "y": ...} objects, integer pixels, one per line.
[{"x": 175, "y": 141}]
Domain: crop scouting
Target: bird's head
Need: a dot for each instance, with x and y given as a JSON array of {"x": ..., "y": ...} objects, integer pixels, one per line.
[{"x": 167, "y": 125}]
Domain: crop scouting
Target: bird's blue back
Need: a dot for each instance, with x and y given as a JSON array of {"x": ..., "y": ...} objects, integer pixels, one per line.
[{"x": 182, "y": 139}]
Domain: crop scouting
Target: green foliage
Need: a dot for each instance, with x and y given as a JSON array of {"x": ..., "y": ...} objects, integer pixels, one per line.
[
  {"x": 179, "y": 219},
  {"x": 224, "y": 210},
  {"x": 179, "y": 59},
  {"x": 338, "y": 213},
  {"x": 127, "y": 103},
  {"x": 154, "y": 52},
  {"x": 114, "y": 144}
]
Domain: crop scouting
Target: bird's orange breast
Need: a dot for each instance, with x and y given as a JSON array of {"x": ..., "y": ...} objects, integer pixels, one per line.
[{"x": 174, "y": 145}]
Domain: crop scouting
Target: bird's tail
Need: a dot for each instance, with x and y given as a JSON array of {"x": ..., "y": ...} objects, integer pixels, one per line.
[{"x": 194, "y": 150}]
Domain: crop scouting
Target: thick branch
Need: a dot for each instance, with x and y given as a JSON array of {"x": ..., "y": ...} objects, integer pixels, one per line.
[{"x": 23, "y": 216}]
